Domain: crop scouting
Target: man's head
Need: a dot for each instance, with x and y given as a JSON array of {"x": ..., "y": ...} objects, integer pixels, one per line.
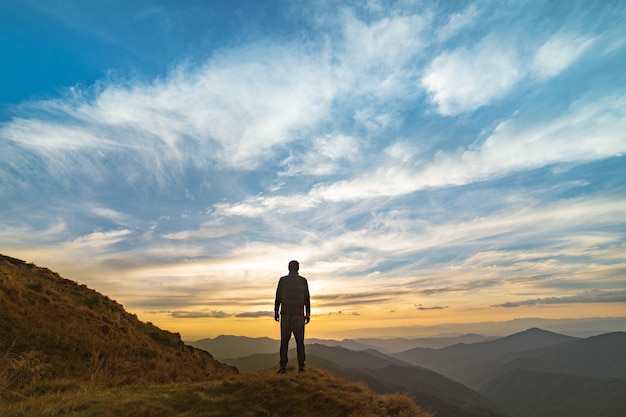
[{"x": 294, "y": 266}]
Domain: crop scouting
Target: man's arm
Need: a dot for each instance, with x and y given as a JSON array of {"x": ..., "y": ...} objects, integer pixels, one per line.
[
  {"x": 277, "y": 300},
  {"x": 307, "y": 304}
]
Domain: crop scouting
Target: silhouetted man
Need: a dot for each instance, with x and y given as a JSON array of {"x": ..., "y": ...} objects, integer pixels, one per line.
[{"x": 294, "y": 302}]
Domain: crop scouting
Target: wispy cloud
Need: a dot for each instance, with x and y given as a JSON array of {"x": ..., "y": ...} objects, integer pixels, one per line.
[
  {"x": 559, "y": 52},
  {"x": 457, "y": 22},
  {"x": 326, "y": 156},
  {"x": 467, "y": 78},
  {"x": 210, "y": 230},
  {"x": 589, "y": 130},
  {"x": 591, "y": 296},
  {"x": 198, "y": 315},
  {"x": 420, "y": 307},
  {"x": 254, "y": 314},
  {"x": 100, "y": 239}
]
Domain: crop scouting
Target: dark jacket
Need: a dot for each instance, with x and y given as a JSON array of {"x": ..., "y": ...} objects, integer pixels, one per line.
[{"x": 292, "y": 295}]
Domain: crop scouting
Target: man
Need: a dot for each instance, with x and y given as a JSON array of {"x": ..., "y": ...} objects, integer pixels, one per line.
[{"x": 294, "y": 302}]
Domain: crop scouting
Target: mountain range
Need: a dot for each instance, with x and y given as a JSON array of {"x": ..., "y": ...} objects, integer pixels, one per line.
[
  {"x": 228, "y": 346},
  {"x": 531, "y": 373},
  {"x": 471, "y": 364}
]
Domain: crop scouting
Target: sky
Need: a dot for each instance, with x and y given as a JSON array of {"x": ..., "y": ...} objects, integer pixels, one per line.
[{"x": 427, "y": 162}]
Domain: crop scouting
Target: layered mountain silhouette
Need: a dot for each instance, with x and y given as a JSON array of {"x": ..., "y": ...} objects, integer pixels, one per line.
[
  {"x": 530, "y": 373},
  {"x": 228, "y": 346},
  {"x": 472, "y": 364},
  {"x": 599, "y": 356}
]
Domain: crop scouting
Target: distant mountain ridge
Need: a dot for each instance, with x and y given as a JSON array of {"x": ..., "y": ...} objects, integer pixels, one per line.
[
  {"x": 577, "y": 357},
  {"x": 232, "y": 347},
  {"x": 581, "y": 327},
  {"x": 227, "y": 346},
  {"x": 539, "y": 373},
  {"x": 472, "y": 364}
]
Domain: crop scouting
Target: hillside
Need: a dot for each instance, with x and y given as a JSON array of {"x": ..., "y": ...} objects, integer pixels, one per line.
[
  {"x": 384, "y": 374},
  {"x": 66, "y": 350},
  {"x": 58, "y": 328},
  {"x": 313, "y": 394}
]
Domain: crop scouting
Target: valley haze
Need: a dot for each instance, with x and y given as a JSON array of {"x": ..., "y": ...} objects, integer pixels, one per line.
[{"x": 438, "y": 168}]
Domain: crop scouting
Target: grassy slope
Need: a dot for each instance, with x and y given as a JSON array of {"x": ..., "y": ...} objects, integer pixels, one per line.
[
  {"x": 434, "y": 392},
  {"x": 66, "y": 350},
  {"x": 314, "y": 393},
  {"x": 57, "y": 329}
]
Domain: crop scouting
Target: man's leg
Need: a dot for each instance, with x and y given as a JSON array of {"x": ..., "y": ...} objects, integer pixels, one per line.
[
  {"x": 285, "y": 335},
  {"x": 298, "y": 334}
]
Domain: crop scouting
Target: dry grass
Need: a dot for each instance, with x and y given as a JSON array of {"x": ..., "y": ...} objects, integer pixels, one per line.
[
  {"x": 81, "y": 334},
  {"x": 314, "y": 393}
]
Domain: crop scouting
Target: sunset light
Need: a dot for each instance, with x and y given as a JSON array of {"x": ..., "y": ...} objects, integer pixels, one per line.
[{"x": 427, "y": 163}]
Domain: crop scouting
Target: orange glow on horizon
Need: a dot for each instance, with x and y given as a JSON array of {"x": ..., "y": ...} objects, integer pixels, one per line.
[{"x": 340, "y": 326}]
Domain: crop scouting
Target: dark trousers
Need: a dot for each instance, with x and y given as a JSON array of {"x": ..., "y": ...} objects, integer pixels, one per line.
[{"x": 291, "y": 324}]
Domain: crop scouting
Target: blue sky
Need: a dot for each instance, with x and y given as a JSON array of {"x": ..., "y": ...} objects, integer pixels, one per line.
[{"x": 426, "y": 162}]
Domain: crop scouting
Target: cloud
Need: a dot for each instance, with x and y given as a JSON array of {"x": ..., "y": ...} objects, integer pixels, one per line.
[
  {"x": 100, "y": 240},
  {"x": 591, "y": 296},
  {"x": 114, "y": 215},
  {"x": 591, "y": 129},
  {"x": 468, "y": 78},
  {"x": 197, "y": 315},
  {"x": 423, "y": 308},
  {"x": 457, "y": 22},
  {"x": 473, "y": 285},
  {"x": 365, "y": 298},
  {"x": 377, "y": 56},
  {"x": 559, "y": 52},
  {"x": 234, "y": 110},
  {"x": 209, "y": 230},
  {"x": 325, "y": 156},
  {"x": 256, "y": 314}
]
